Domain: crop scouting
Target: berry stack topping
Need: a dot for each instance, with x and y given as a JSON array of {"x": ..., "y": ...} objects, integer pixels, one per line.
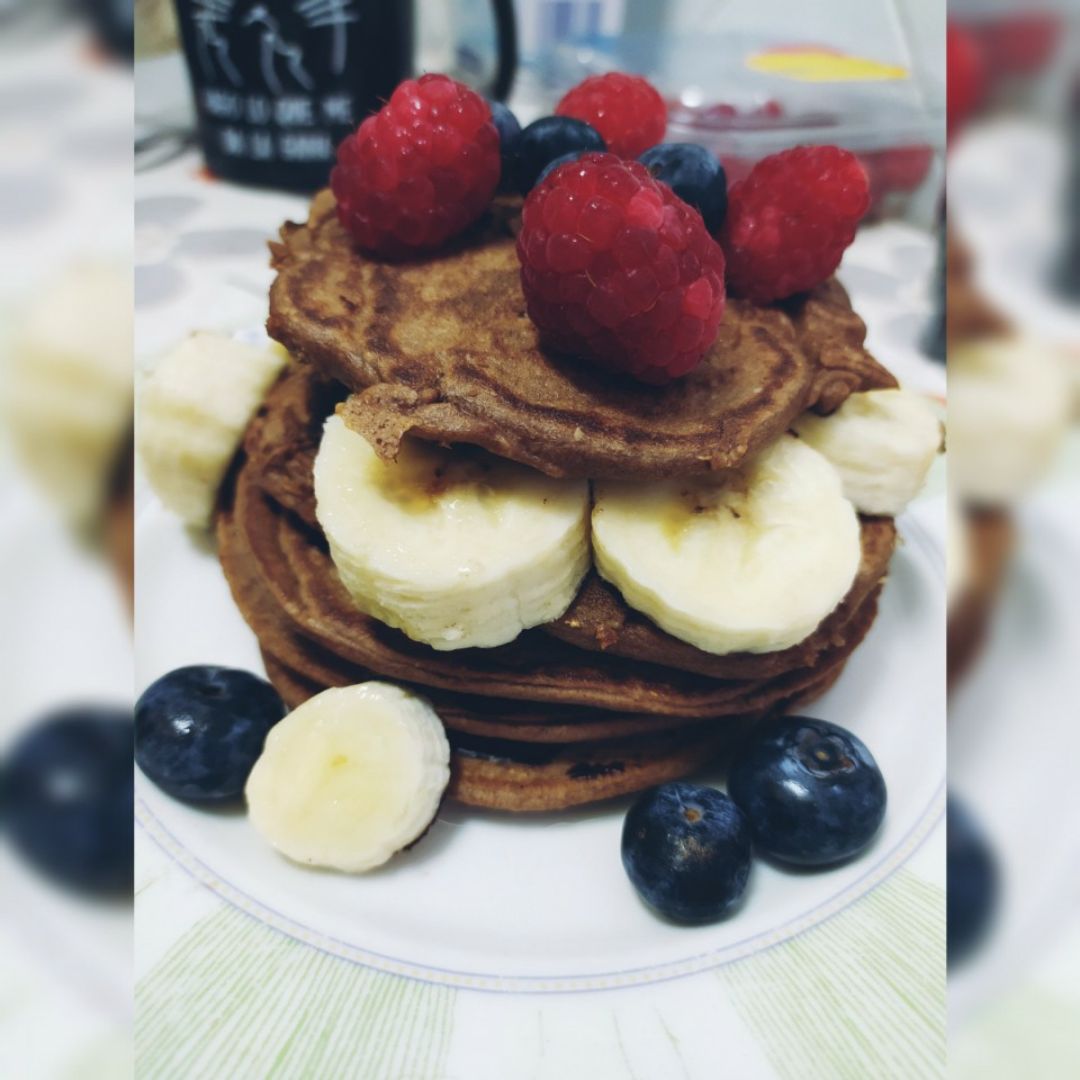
[
  {"x": 548, "y": 139},
  {"x": 199, "y": 730},
  {"x": 420, "y": 170},
  {"x": 812, "y": 791},
  {"x": 626, "y": 109},
  {"x": 789, "y": 222},
  {"x": 617, "y": 269},
  {"x": 686, "y": 849},
  {"x": 694, "y": 174}
]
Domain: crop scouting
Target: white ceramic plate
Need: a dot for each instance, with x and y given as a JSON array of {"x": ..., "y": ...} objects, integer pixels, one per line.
[{"x": 541, "y": 903}]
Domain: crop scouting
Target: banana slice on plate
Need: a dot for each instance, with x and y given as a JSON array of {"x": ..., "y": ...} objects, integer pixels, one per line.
[
  {"x": 350, "y": 777},
  {"x": 65, "y": 377},
  {"x": 192, "y": 414},
  {"x": 747, "y": 561},
  {"x": 1009, "y": 414},
  {"x": 454, "y": 547},
  {"x": 882, "y": 442}
]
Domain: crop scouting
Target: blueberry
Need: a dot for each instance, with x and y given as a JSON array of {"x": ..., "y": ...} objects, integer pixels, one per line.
[
  {"x": 548, "y": 138},
  {"x": 812, "y": 791},
  {"x": 68, "y": 798},
  {"x": 971, "y": 881},
  {"x": 199, "y": 730},
  {"x": 562, "y": 159},
  {"x": 694, "y": 175},
  {"x": 506, "y": 124},
  {"x": 686, "y": 849}
]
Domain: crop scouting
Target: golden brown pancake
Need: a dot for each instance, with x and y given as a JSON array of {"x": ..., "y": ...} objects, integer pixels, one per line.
[
  {"x": 441, "y": 348},
  {"x": 600, "y": 619},
  {"x": 497, "y": 775},
  {"x": 275, "y": 565},
  {"x": 969, "y": 316},
  {"x": 281, "y": 444},
  {"x": 475, "y": 714},
  {"x": 501, "y": 774},
  {"x": 991, "y": 538}
]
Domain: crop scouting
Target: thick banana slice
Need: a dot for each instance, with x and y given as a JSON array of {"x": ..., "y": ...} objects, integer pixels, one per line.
[
  {"x": 192, "y": 414},
  {"x": 751, "y": 560},
  {"x": 350, "y": 777},
  {"x": 456, "y": 548},
  {"x": 67, "y": 385},
  {"x": 882, "y": 442},
  {"x": 1009, "y": 411}
]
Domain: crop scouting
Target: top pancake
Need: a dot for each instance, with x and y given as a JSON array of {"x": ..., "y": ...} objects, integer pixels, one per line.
[{"x": 441, "y": 348}]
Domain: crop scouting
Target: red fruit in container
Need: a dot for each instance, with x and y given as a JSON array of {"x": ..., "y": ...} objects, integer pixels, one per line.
[
  {"x": 420, "y": 170},
  {"x": 618, "y": 270},
  {"x": 789, "y": 222},
  {"x": 966, "y": 79},
  {"x": 627, "y": 110},
  {"x": 897, "y": 169},
  {"x": 1019, "y": 44}
]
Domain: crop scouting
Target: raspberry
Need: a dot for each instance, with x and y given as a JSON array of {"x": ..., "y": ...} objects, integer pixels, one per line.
[
  {"x": 899, "y": 168},
  {"x": 420, "y": 170},
  {"x": 616, "y": 268},
  {"x": 790, "y": 220},
  {"x": 967, "y": 75},
  {"x": 626, "y": 110},
  {"x": 1019, "y": 44}
]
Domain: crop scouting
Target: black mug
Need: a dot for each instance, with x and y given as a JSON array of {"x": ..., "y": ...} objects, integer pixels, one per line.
[{"x": 279, "y": 83}]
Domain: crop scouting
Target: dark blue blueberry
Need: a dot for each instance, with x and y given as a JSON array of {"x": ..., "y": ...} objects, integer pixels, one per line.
[
  {"x": 562, "y": 159},
  {"x": 199, "y": 730},
  {"x": 68, "y": 798},
  {"x": 972, "y": 883},
  {"x": 506, "y": 124},
  {"x": 812, "y": 791},
  {"x": 694, "y": 175},
  {"x": 548, "y": 138},
  {"x": 686, "y": 849}
]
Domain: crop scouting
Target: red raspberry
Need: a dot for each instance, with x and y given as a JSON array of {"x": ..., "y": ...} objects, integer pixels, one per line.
[
  {"x": 615, "y": 267},
  {"x": 626, "y": 109},
  {"x": 899, "y": 168},
  {"x": 967, "y": 75},
  {"x": 420, "y": 170},
  {"x": 790, "y": 220},
  {"x": 1019, "y": 44}
]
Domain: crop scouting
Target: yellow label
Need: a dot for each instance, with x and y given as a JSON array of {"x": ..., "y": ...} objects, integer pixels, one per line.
[{"x": 821, "y": 65}]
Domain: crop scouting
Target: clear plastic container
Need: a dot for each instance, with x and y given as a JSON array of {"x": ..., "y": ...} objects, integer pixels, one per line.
[
  {"x": 751, "y": 77},
  {"x": 902, "y": 150}
]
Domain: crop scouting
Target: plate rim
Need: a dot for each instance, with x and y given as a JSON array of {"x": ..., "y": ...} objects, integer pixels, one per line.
[{"x": 924, "y": 825}]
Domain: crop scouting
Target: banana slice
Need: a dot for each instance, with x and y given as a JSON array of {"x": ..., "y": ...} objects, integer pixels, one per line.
[
  {"x": 352, "y": 776},
  {"x": 67, "y": 385},
  {"x": 1009, "y": 411},
  {"x": 882, "y": 442},
  {"x": 455, "y": 548},
  {"x": 192, "y": 414},
  {"x": 751, "y": 560}
]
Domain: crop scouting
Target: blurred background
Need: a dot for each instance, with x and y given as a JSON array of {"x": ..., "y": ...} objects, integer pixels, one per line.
[
  {"x": 1013, "y": 279},
  {"x": 66, "y": 100}
]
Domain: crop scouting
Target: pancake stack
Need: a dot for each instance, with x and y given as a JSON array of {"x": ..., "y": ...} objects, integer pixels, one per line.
[{"x": 599, "y": 701}]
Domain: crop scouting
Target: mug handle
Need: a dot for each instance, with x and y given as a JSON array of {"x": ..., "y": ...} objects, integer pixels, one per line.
[{"x": 506, "y": 48}]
